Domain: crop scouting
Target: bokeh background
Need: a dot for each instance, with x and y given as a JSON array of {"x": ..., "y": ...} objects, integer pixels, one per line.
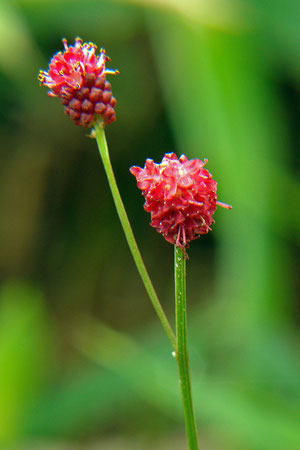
[{"x": 84, "y": 363}]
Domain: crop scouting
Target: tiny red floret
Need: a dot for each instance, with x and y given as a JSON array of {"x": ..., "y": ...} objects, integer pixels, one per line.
[
  {"x": 180, "y": 195},
  {"x": 78, "y": 77}
]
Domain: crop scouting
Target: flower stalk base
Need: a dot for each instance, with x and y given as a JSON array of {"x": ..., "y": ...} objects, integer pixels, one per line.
[{"x": 182, "y": 347}]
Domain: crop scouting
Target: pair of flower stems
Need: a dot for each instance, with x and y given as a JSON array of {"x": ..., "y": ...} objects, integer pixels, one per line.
[{"x": 178, "y": 340}]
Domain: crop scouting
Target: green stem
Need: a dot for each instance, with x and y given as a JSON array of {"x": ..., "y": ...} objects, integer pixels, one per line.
[
  {"x": 182, "y": 347},
  {"x": 103, "y": 150}
]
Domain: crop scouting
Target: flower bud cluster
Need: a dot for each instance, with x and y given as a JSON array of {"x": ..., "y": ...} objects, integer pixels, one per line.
[{"x": 78, "y": 77}]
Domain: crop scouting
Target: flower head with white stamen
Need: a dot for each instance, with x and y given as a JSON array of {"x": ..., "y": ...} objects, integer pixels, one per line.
[{"x": 78, "y": 77}]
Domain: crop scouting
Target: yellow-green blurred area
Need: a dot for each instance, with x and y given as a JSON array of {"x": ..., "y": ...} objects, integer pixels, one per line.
[{"x": 84, "y": 362}]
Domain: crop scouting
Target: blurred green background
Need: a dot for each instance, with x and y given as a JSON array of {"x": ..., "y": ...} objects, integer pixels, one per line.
[{"x": 84, "y": 363}]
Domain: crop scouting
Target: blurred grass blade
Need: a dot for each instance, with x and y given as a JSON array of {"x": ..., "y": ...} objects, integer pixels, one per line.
[
  {"x": 221, "y": 404},
  {"x": 224, "y": 109}
]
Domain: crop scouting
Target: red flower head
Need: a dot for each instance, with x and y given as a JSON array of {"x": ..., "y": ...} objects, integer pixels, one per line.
[
  {"x": 78, "y": 77},
  {"x": 180, "y": 195}
]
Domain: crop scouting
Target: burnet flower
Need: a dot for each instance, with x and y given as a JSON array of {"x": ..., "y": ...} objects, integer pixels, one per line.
[
  {"x": 180, "y": 195},
  {"x": 78, "y": 77}
]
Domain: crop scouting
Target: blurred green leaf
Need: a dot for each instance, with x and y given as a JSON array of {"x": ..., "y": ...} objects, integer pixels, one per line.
[
  {"x": 16, "y": 42},
  {"x": 24, "y": 354},
  {"x": 217, "y": 13}
]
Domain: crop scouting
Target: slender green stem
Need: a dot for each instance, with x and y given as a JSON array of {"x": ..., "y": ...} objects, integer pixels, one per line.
[
  {"x": 182, "y": 347},
  {"x": 103, "y": 150}
]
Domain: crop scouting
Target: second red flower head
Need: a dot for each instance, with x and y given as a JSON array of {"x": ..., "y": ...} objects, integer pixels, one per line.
[{"x": 180, "y": 195}]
